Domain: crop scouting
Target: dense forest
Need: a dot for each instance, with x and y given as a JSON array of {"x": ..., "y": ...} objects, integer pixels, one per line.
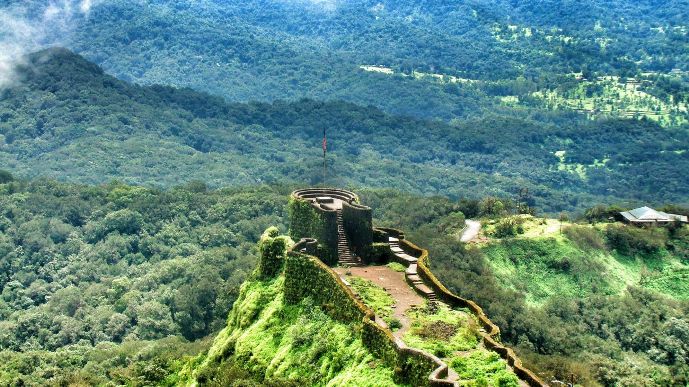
[
  {"x": 116, "y": 282},
  {"x": 68, "y": 120},
  {"x": 123, "y": 283},
  {"x": 264, "y": 50}
]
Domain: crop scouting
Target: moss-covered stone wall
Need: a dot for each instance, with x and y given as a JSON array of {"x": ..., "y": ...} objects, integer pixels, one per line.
[
  {"x": 272, "y": 247},
  {"x": 358, "y": 224},
  {"x": 491, "y": 336},
  {"x": 307, "y": 221},
  {"x": 307, "y": 276}
]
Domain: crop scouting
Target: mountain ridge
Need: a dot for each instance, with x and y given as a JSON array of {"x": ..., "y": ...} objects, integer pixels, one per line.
[{"x": 69, "y": 120}]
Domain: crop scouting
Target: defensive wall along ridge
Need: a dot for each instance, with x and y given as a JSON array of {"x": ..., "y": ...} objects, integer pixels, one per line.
[{"x": 322, "y": 220}]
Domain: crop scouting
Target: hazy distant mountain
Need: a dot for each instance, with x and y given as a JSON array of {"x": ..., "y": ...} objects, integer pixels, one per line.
[{"x": 266, "y": 50}]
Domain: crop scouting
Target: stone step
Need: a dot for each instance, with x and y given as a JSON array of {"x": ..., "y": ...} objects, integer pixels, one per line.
[
  {"x": 413, "y": 277},
  {"x": 423, "y": 289},
  {"x": 407, "y": 258}
]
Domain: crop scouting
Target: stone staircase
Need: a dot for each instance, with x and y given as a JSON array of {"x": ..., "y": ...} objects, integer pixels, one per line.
[
  {"x": 344, "y": 254},
  {"x": 411, "y": 274}
]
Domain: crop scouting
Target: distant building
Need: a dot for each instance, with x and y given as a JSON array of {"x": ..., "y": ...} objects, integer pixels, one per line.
[{"x": 647, "y": 215}]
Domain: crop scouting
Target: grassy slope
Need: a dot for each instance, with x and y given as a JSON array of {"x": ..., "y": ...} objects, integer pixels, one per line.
[
  {"x": 542, "y": 263},
  {"x": 450, "y": 334},
  {"x": 297, "y": 343}
]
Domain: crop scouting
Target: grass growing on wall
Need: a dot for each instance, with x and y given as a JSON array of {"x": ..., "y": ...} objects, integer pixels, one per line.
[
  {"x": 374, "y": 296},
  {"x": 396, "y": 266},
  {"x": 450, "y": 334},
  {"x": 297, "y": 343},
  {"x": 453, "y": 336},
  {"x": 485, "y": 368}
]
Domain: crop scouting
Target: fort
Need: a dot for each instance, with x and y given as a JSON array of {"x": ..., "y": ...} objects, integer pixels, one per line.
[{"x": 334, "y": 230}]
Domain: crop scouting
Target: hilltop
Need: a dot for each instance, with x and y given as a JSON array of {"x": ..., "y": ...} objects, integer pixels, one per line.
[
  {"x": 597, "y": 291},
  {"x": 309, "y": 314},
  {"x": 119, "y": 283}
]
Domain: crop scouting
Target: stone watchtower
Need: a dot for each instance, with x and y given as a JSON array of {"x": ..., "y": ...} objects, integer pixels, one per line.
[{"x": 334, "y": 217}]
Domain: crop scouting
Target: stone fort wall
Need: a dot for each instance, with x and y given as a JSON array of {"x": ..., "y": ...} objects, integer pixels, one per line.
[{"x": 307, "y": 274}]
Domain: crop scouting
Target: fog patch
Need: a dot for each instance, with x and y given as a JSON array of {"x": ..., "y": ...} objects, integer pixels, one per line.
[{"x": 25, "y": 28}]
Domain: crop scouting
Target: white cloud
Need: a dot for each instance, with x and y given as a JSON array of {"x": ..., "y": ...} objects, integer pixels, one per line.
[
  {"x": 322, "y": 5},
  {"x": 22, "y": 32},
  {"x": 85, "y": 6}
]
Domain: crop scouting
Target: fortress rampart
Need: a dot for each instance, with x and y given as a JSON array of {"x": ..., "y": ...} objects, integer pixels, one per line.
[{"x": 308, "y": 274}]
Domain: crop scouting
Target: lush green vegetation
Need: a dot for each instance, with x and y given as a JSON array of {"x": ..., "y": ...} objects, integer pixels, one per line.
[
  {"x": 68, "y": 120},
  {"x": 275, "y": 50},
  {"x": 485, "y": 367},
  {"x": 450, "y": 334},
  {"x": 163, "y": 267},
  {"x": 115, "y": 282},
  {"x": 375, "y": 297},
  {"x": 442, "y": 331},
  {"x": 278, "y": 343},
  {"x": 578, "y": 102},
  {"x": 585, "y": 259},
  {"x": 570, "y": 303}
]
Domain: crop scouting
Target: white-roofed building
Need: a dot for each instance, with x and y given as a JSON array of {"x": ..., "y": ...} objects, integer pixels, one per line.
[{"x": 647, "y": 215}]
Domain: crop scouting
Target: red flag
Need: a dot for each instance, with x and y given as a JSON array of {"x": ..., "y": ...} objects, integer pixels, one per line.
[{"x": 325, "y": 142}]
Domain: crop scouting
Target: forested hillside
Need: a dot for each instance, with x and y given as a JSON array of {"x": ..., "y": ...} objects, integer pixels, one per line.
[
  {"x": 267, "y": 50},
  {"x": 66, "y": 119},
  {"x": 116, "y": 282},
  {"x": 146, "y": 145},
  {"x": 113, "y": 282}
]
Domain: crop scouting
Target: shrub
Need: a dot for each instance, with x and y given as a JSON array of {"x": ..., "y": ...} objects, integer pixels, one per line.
[
  {"x": 675, "y": 209},
  {"x": 438, "y": 330},
  {"x": 126, "y": 222},
  {"x": 491, "y": 206},
  {"x": 630, "y": 240},
  {"x": 510, "y": 226},
  {"x": 394, "y": 323},
  {"x": 398, "y": 267},
  {"x": 601, "y": 213},
  {"x": 584, "y": 237},
  {"x": 452, "y": 223},
  {"x": 469, "y": 207}
]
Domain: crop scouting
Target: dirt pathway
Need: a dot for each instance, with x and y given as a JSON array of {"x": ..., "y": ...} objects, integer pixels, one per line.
[{"x": 393, "y": 282}]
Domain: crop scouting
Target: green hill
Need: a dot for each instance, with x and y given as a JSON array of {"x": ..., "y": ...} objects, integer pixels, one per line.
[
  {"x": 68, "y": 120},
  {"x": 581, "y": 295},
  {"x": 271, "y": 50},
  {"x": 579, "y": 262},
  {"x": 281, "y": 343}
]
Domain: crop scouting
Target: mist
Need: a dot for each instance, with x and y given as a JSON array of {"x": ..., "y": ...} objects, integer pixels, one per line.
[{"x": 30, "y": 26}]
